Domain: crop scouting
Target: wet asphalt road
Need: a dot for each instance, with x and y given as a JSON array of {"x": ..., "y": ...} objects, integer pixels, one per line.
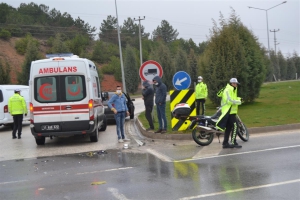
[{"x": 267, "y": 167}]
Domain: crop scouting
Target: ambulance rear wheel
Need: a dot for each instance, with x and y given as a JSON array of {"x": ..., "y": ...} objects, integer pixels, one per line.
[
  {"x": 40, "y": 140},
  {"x": 94, "y": 137},
  {"x": 104, "y": 124}
]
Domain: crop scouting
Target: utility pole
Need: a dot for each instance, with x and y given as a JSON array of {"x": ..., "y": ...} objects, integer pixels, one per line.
[
  {"x": 140, "y": 37},
  {"x": 275, "y": 41}
]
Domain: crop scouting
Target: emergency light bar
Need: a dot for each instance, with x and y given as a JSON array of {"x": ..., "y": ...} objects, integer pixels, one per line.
[{"x": 59, "y": 55}]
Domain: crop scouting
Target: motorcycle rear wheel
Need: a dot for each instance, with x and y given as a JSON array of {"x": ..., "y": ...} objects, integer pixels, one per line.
[
  {"x": 201, "y": 137},
  {"x": 242, "y": 131}
]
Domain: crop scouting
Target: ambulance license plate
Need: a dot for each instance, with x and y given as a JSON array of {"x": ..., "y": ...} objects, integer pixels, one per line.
[{"x": 50, "y": 127}]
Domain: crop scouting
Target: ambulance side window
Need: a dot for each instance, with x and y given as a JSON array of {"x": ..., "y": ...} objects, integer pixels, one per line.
[
  {"x": 1, "y": 96},
  {"x": 45, "y": 89},
  {"x": 98, "y": 87},
  {"x": 74, "y": 88}
]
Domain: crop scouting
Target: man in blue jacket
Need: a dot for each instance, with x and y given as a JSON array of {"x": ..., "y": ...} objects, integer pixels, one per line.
[
  {"x": 120, "y": 110},
  {"x": 160, "y": 101}
]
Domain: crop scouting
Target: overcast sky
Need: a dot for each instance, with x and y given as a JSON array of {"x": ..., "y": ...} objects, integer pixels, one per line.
[{"x": 192, "y": 19}]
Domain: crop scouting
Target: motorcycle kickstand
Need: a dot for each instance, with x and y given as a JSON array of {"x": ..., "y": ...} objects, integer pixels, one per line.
[{"x": 218, "y": 134}]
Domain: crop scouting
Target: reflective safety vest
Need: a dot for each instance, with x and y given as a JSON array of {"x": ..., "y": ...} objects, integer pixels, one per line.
[
  {"x": 17, "y": 105},
  {"x": 201, "y": 91},
  {"x": 230, "y": 100}
]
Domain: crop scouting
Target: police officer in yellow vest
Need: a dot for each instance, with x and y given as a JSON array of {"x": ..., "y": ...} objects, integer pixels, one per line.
[
  {"x": 17, "y": 107},
  {"x": 227, "y": 120},
  {"x": 201, "y": 95}
]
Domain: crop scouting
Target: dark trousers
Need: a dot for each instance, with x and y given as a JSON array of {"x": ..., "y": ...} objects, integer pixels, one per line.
[
  {"x": 17, "y": 125},
  {"x": 231, "y": 127},
  {"x": 202, "y": 102},
  {"x": 148, "y": 114}
]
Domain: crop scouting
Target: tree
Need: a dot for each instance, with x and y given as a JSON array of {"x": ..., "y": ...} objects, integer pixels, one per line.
[
  {"x": 274, "y": 66},
  {"x": 232, "y": 51},
  {"x": 192, "y": 59},
  {"x": 181, "y": 61},
  {"x": 165, "y": 32},
  {"x": 5, "y": 34},
  {"x": 290, "y": 69},
  {"x": 78, "y": 44},
  {"x": 296, "y": 59},
  {"x": 32, "y": 54},
  {"x": 59, "y": 46},
  {"x": 113, "y": 68},
  {"x": 4, "y": 73},
  {"x": 4, "y": 12},
  {"x": 84, "y": 27},
  {"x": 103, "y": 51},
  {"x": 162, "y": 55},
  {"x": 202, "y": 47},
  {"x": 116, "y": 65},
  {"x": 22, "y": 44},
  {"x": 282, "y": 66},
  {"x": 131, "y": 70},
  {"x": 108, "y": 30},
  {"x": 130, "y": 33}
]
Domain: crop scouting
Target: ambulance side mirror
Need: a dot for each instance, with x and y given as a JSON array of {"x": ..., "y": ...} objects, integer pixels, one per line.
[{"x": 104, "y": 96}]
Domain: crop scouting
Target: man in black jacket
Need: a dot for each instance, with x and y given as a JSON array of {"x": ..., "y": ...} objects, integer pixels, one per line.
[
  {"x": 160, "y": 101},
  {"x": 148, "y": 95}
]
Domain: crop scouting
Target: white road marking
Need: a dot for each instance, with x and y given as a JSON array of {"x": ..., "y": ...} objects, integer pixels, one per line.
[
  {"x": 160, "y": 155},
  {"x": 241, "y": 189},
  {"x": 3, "y": 183},
  {"x": 107, "y": 170},
  {"x": 233, "y": 154},
  {"x": 116, "y": 194}
]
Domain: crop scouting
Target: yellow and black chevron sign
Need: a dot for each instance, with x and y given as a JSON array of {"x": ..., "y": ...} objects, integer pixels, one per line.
[{"x": 182, "y": 96}]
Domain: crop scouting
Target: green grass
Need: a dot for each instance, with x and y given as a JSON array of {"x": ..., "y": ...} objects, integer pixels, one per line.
[{"x": 278, "y": 104}]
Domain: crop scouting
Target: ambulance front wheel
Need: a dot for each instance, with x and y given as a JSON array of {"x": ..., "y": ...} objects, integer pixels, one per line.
[{"x": 40, "y": 140}]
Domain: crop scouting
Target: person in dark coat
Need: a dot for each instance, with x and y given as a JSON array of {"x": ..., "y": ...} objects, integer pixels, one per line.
[
  {"x": 160, "y": 101},
  {"x": 148, "y": 95}
]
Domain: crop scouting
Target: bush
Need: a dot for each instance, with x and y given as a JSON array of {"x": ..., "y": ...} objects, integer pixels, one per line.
[
  {"x": 108, "y": 69},
  {"x": 21, "y": 45},
  {"x": 5, "y": 34}
]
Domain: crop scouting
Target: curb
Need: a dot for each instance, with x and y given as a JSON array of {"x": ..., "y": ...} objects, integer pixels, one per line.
[{"x": 189, "y": 136}]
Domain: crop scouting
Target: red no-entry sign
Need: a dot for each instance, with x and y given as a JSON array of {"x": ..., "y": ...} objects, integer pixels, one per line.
[{"x": 150, "y": 69}]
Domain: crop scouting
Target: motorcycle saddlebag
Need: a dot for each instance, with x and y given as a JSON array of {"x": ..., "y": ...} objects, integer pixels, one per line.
[{"x": 181, "y": 110}]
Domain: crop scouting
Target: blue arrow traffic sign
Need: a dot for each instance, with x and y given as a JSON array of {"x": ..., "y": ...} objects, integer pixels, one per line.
[{"x": 181, "y": 80}]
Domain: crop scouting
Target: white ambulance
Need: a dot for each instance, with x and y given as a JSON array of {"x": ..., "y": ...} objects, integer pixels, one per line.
[
  {"x": 65, "y": 98},
  {"x": 6, "y": 91}
]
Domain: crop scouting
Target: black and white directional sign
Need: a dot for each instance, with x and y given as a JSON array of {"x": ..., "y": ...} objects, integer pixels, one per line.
[
  {"x": 149, "y": 70},
  {"x": 181, "y": 80}
]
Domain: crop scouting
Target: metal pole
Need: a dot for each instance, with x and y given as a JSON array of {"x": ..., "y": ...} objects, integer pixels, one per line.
[
  {"x": 120, "y": 49},
  {"x": 140, "y": 39},
  {"x": 140, "y": 36},
  {"x": 268, "y": 33},
  {"x": 267, "y": 21}
]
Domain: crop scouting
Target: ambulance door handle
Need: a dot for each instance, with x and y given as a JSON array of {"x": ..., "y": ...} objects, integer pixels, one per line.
[{"x": 68, "y": 107}]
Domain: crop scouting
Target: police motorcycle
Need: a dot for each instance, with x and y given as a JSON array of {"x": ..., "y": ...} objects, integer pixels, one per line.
[{"x": 204, "y": 127}]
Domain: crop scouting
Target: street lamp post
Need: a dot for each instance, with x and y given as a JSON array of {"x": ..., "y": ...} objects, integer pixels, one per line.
[
  {"x": 267, "y": 21},
  {"x": 120, "y": 49}
]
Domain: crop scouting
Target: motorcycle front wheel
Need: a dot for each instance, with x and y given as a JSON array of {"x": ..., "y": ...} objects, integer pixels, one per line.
[
  {"x": 202, "y": 138},
  {"x": 242, "y": 131}
]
